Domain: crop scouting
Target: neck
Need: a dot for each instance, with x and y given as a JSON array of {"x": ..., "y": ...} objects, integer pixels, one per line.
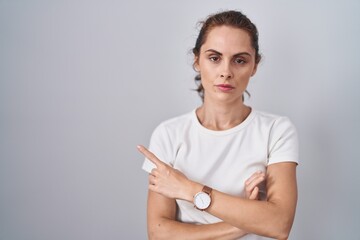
[{"x": 222, "y": 116}]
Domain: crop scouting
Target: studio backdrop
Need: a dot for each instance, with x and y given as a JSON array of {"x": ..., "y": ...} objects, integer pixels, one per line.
[{"x": 83, "y": 82}]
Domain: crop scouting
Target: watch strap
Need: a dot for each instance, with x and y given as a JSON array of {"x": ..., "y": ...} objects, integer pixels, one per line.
[{"x": 207, "y": 190}]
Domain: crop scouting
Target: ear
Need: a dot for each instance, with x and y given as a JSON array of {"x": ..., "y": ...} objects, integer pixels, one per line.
[
  {"x": 254, "y": 70},
  {"x": 196, "y": 64}
]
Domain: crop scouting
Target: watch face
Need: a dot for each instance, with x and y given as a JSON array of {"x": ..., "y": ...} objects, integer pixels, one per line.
[{"x": 202, "y": 200}]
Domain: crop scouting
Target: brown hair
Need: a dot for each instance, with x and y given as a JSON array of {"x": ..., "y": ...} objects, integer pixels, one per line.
[{"x": 230, "y": 18}]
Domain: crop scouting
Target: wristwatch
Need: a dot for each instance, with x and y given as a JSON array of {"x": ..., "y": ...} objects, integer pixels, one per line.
[{"x": 202, "y": 200}]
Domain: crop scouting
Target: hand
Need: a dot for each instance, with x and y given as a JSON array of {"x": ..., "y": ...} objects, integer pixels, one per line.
[
  {"x": 166, "y": 180},
  {"x": 251, "y": 185}
]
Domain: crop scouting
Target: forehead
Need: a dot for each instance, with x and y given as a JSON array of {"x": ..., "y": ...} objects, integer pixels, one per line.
[{"x": 227, "y": 39}]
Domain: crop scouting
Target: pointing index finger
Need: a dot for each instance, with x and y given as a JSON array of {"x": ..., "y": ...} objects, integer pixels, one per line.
[{"x": 149, "y": 155}]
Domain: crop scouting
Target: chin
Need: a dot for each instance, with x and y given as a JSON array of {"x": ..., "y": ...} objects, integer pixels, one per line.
[{"x": 226, "y": 98}]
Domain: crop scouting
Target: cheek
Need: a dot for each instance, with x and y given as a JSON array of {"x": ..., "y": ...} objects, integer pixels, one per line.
[
  {"x": 208, "y": 73},
  {"x": 206, "y": 79},
  {"x": 246, "y": 73}
]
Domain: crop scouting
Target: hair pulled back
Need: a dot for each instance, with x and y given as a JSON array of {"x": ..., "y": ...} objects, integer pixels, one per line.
[{"x": 228, "y": 18}]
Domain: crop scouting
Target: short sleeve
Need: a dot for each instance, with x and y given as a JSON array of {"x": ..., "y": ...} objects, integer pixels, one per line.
[
  {"x": 283, "y": 142},
  {"x": 160, "y": 145}
]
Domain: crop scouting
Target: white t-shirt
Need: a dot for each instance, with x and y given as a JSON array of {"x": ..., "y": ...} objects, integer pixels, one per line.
[{"x": 223, "y": 160}]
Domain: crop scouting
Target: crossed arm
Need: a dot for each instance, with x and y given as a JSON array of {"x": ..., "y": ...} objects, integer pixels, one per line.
[{"x": 271, "y": 218}]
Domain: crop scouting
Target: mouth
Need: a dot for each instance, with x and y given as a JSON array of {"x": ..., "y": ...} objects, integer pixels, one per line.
[{"x": 224, "y": 87}]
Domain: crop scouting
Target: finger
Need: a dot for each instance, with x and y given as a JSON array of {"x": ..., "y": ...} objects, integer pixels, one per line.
[
  {"x": 254, "y": 194},
  {"x": 154, "y": 172},
  {"x": 149, "y": 155},
  {"x": 255, "y": 182},
  {"x": 152, "y": 179},
  {"x": 249, "y": 187},
  {"x": 153, "y": 188},
  {"x": 254, "y": 176}
]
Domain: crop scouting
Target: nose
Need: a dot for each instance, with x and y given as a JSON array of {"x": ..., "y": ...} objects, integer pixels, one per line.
[
  {"x": 226, "y": 72},
  {"x": 226, "y": 76}
]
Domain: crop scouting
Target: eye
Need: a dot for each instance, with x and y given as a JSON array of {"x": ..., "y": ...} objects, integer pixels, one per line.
[
  {"x": 214, "y": 58},
  {"x": 239, "y": 61}
]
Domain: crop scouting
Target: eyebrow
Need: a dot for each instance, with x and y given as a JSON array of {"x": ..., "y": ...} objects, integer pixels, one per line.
[{"x": 219, "y": 53}]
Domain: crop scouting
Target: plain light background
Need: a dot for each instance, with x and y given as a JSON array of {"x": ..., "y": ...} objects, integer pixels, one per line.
[{"x": 83, "y": 82}]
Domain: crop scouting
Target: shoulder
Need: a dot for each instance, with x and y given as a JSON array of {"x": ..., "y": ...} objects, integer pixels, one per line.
[
  {"x": 174, "y": 128},
  {"x": 282, "y": 137},
  {"x": 177, "y": 123},
  {"x": 269, "y": 117},
  {"x": 272, "y": 121},
  {"x": 164, "y": 140}
]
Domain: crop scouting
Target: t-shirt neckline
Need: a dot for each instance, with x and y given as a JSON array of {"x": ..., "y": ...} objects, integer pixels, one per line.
[{"x": 237, "y": 128}]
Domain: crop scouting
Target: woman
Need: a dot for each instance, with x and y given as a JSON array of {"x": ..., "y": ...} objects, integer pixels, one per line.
[{"x": 217, "y": 157}]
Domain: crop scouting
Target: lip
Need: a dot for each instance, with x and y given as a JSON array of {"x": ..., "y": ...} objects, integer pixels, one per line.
[{"x": 224, "y": 87}]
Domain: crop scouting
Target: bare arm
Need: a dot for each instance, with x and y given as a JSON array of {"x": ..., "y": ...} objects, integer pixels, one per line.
[
  {"x": 272, "y": 218},
  {"x": 162, "y": 222},
  {"x": 163, "y": 225}
]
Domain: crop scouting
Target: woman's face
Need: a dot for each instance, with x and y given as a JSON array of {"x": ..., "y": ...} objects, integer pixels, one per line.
[{"x": 226, "y": 62}]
